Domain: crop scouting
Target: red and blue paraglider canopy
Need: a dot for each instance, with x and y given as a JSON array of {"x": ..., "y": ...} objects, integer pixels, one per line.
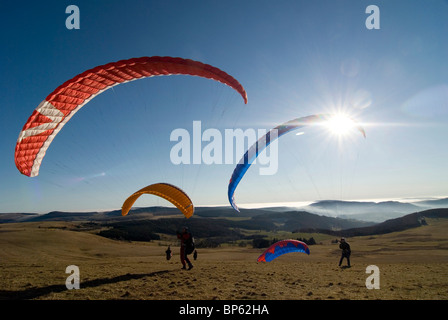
[{"x": 282, "y": 247}]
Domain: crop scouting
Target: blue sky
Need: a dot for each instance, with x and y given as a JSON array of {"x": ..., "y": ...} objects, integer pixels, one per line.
[{"x": 294, "y": 58}]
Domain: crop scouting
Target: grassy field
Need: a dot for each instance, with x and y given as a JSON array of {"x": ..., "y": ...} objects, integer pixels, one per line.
[{"x": 33, "y": 258}]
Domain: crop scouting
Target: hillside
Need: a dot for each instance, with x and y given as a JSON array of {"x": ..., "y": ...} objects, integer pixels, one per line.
[
  {"x": 34, "y": 257},
  {"x": 213, "y": 225},
  {"x": 409, "y": 221},
  {"x": 218, "y": 225}
]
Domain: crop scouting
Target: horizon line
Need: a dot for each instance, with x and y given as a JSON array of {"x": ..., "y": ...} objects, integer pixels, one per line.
[{"x": 291, "y": 204}]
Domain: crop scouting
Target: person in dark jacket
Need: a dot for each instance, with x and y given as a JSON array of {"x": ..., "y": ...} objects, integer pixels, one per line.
[
  {"x": 346, "y": 251},
  {"x": 195, "y": 255},
  {"x": 168, "y": 253},
  {"x": 185, "y": 238}
]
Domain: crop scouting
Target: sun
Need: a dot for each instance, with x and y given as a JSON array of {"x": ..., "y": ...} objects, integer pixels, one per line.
[{"x": 340, "y": 125}]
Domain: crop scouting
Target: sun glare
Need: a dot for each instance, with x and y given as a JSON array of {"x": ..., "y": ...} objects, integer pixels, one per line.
[{"x": 340, "y": 125}]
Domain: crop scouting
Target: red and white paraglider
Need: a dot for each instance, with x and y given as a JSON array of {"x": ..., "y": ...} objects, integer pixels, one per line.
[{"x": 57, "y": 109}]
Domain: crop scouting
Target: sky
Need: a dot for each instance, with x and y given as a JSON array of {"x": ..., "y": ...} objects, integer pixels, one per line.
[{"x": 294, "y": 58}]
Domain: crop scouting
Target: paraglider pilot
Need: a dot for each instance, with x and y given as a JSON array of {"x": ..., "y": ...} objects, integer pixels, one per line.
[
  {"x": 186, "y": 239},
  {"x": 345, "y": 247}
]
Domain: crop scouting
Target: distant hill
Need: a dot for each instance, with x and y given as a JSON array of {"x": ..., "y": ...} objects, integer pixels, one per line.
[
  {"x": 223, "y": 224},
  {"x": 217, "y": 228},
  {"x": 435, "y": 203},
  {"x": 104, "y": 216},
  {"x": 295, "y": 220},
  {"x": 216, "y": 212},
  {"x": 220, "y": 224},
  {"x": 16, "y": 217},
  {"x": 372, "y": 211},
  {"x": 409, "y": 221},
  {"x": 267, "y": 219}
]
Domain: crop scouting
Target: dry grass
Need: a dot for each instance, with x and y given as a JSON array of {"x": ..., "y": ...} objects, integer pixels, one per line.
[{"x": 33, "y": 258}]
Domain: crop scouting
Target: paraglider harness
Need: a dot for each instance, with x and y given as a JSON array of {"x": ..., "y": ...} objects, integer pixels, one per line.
[{"x": 189, "y": 245}]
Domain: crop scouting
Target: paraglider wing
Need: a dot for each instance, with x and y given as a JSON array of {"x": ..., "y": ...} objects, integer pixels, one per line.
[
  {"x": 282, "y": 247},
  {"x": 275, "y": 133},
  {"x": 167, "y": 191},
  {"x": 253, "y": 152},
  {"x": 60, "y": 105}
]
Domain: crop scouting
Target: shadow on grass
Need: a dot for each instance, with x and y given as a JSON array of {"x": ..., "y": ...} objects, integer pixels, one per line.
[{"x": 33, "y": 293}]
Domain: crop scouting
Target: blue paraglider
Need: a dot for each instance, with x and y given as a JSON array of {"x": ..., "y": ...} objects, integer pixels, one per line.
[{"x": 275, "y": 133}]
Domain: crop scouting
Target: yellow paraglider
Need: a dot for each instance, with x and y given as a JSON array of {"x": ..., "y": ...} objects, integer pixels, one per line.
[{"x": 164, "y": 190}]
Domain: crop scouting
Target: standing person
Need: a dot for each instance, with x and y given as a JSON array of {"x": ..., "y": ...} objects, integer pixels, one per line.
[
  {"x": 168, "y": 253},
  {"x": 195, "y": 255},
  {"x": 186, "y": 239},
  {"x": 346, "y": 251}
]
